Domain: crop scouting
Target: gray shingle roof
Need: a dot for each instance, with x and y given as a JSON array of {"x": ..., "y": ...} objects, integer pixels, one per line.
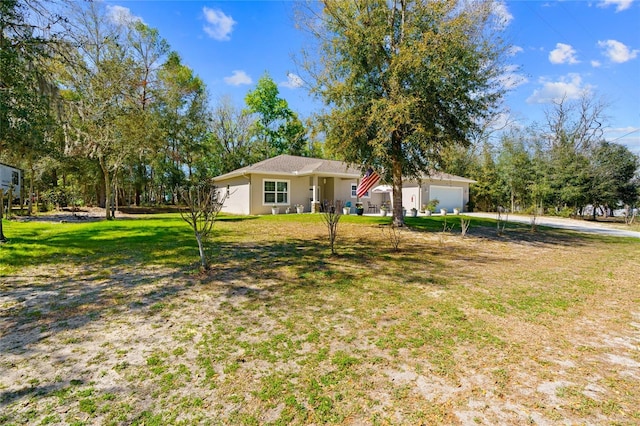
[
  {"x": 291, "y": 165},
  {"x": 296, "y": 166}
]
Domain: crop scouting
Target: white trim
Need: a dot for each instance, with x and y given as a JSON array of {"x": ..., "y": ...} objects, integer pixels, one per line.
[
  {"x": 288, "y": 192},
  {"x": 354, "y": 187}
]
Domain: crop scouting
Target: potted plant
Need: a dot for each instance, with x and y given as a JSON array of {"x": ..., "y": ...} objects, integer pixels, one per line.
[
  {"x": 431, "y": 206},
  {"x": 443, "y": 212},
  {"x": 359, "y": 209},
  {"x": 414, "y": 212},
  {"x": 299, "y": 208},
  {"x": 384, "y": 210},
  {"x": 456, "y": 210},
  {"x": 289, "y": 210},
  {"x": 275, "y": 209}
]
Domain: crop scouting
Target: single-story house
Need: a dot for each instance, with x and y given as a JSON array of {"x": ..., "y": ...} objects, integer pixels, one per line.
[{"x": 286, "y": 181}]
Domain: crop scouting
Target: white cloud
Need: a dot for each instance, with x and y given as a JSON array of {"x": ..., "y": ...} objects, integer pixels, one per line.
[
  {"x": 620, "y": 4},
  {"x": 238, "y": 78},
  {"x": 596, "y": 64},
  {"x": 219, "y": 26},
  {"x": 568, "y": 88},
  {"x": 121, "y": 15},
  {"x": 502, "y": 13},
  {"x": 563, "y": 54},
  {"x": 617, "y": 52},
  {"x": 514, "y": 50},
  {"x": 293, "y": 81}
]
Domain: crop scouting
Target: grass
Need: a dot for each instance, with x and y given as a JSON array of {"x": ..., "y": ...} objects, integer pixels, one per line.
[{"x": 111, "y": 323}]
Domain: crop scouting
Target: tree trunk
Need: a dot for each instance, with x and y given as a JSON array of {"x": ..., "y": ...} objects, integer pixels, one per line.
[
  {"x": 107, "y": 187},
  {"x": 3, "y": 239},
  {"x": 31, "y": 171},
  {"x": 513, "y": 201},
  {"x": 396, "y": 171},
  {"x": 9, "y": 201},
  {"x": 203, "y": 259}
]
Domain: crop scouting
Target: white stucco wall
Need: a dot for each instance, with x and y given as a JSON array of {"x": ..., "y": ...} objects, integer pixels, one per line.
[
  {"x": 237, "y": 202},
  {"x": 298, "y": 193}
]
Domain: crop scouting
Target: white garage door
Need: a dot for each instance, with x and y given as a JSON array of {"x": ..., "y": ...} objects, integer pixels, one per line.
[{"x": 449, "y": 197}]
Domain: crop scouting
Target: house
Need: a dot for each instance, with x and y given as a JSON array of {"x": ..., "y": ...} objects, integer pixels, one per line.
[
  {"x": 286, "y": 180},
  {"x": 11, "y": 179}
]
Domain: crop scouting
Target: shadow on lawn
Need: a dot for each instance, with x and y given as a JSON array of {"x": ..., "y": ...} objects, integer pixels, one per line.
[
  {"x": 116, "y": 271},
  {"x": 134, "y": 271},
  {"x": 517, "y": 233},
  {"x": 43, "y": 306}
]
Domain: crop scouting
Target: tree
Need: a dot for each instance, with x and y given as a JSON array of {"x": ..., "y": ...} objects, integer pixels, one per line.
[
  {"x": 485, "y": 191},
  {"x": 203, "y": 203},
  {"x": 278, "y": 128},
  {"x": 573, "y": 129},
  {"x": 231, "y": 147},
  {"x": 26, "y": 88},
  {"x": 29, "y": 39},
  {"x": 514, "y": 170},
  {"x": 331, "y": 216},
  {"x": 613, "y": 168},
  {"x": 100, "y": 84},
  {"x": 403, "y": 79},
  {"x": 183, "y": 114}
]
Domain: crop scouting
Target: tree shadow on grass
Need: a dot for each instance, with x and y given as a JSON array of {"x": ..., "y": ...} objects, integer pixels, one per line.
[
  {"x": 41, "y": 307},
  {"x": 513, "y": 232},
  {"x": 167, "y": 245}
]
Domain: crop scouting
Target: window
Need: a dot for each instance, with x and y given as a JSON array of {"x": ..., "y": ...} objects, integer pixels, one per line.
[
  {"x": 15, "y": 178},
  {"x": 354, "y": 187},
  {"x": 275, "y": 192}
]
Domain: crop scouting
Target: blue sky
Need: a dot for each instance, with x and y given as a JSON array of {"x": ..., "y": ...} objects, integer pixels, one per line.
[{"x": 562, "y": 48}]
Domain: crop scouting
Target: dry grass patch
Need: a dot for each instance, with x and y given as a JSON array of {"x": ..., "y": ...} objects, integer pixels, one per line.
[{"x": 522, "y": 329}]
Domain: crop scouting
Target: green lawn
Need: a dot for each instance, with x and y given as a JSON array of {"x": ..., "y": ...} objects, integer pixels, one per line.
[{"x": 111, "y": 323}]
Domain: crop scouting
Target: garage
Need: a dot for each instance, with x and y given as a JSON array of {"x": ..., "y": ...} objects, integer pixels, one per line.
[{"x": 449, "y": 197}]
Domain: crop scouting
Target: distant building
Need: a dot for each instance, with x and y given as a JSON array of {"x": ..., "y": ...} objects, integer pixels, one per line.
[{"x": 11, "y": 178}]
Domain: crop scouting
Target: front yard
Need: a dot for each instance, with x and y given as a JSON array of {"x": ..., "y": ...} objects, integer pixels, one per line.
[{"x": 110, "y": 323}]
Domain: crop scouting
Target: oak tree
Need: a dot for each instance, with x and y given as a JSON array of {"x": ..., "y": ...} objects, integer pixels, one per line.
[{"x": 404, "y": 78}]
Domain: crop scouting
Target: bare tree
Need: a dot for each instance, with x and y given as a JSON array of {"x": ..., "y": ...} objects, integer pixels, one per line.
[
  {"x": 578, "y": 124},
  {"x": 393, "y": 234},
  {"x": 331, "y": 216},
  {"x": 203, "y": 203}
]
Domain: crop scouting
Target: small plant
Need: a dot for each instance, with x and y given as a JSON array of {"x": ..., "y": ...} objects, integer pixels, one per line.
[
  {"x": 501, "y": 220},
  {"x": 393, "y": 234},
  {"x": 464, "y": 226},
  {"x": 432, "y": 205},
  {"x": 331, "y": 217},
  {"x": 629, "y": 215},
  {"x": 446, "y": 227},
  {"x": 203, "y": 203}
]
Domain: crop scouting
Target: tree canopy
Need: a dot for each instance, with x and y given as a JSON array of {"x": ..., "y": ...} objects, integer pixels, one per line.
[
  {"x": 277, "y": 127},
  {"x": 403, "y": 79}
]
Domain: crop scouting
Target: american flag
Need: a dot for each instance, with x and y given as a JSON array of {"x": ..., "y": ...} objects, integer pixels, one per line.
[{"x": 370, "y": 178}]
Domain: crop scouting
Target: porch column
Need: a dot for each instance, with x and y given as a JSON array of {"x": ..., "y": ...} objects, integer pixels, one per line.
[{"x": 315, "y": 204}]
